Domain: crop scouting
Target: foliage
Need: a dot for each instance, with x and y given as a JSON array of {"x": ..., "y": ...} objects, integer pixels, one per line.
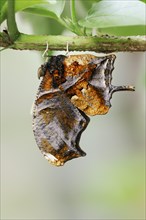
[
  {"x": 111, "y": 14},
  {"x": 110, "y": 17}
]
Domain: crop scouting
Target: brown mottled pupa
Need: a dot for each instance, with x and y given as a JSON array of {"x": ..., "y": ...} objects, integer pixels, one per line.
[{"x": 72, "y": 87}]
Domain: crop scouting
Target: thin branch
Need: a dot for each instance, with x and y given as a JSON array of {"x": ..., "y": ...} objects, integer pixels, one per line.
[
  {"x": 103, "y": 44},
  {"x": 11, "y": 23}
]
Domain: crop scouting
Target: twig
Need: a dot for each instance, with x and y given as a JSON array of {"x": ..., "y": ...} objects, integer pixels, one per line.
[{"x": 104, "y": 44}]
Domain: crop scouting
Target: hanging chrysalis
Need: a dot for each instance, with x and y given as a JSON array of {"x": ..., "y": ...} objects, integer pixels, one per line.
[{"x": 72, "y": 87}]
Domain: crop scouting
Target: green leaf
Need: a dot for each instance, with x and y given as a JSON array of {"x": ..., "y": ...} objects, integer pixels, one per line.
[
  {"x": 2, "y": 2},
  {"x": 49, "y": 8},
  {"x": 19, "y": 6},
  {"x": 124, "y": 31},
  {"x": 143, "y": 1},
  {"x": 111, "y": 13},
  {"x": 53, "y": 10},
  {"x": 23, "y": 4},
  {"x": 3, "y": 7}
]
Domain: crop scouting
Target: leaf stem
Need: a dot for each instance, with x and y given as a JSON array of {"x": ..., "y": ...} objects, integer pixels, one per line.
[
  {"x": 73, "y": 12},
  {"x": 76, "y": 27},
  {"x": 11, "y": 23}
]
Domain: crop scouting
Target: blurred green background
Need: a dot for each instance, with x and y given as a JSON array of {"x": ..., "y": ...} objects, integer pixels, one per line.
[{"x": 109, "y": 183}]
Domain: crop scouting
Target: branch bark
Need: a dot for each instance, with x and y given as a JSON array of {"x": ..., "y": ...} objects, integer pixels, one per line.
[{"x": 105, "y": 44}]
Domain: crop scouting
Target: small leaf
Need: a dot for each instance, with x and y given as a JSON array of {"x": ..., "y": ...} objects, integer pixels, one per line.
[
  {"x": 106, "y": 14},
  {"x": 50, "y": 8},
  {"x": 19, "y": 6}
]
